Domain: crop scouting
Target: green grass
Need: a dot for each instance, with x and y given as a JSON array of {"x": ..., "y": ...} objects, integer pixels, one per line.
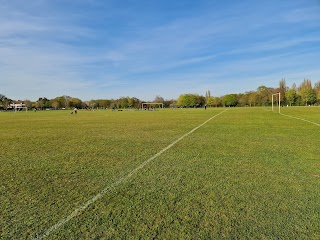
[{"x": 248, "y": 173}]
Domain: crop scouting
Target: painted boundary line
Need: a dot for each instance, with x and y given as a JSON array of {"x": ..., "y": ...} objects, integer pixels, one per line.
[
  {"x": 77, "y": 211},
  {"x": 301, "y": 119}
]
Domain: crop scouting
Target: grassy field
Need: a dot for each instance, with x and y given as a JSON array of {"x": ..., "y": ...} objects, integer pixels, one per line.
[{"x": 249, "y": 173}]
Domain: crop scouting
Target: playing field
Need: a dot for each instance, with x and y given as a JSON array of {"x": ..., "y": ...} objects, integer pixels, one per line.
[{"x": 248, "y": 173}]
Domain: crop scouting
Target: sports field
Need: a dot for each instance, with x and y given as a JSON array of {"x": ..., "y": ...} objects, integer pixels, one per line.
[{"x": 247, "y": 173}]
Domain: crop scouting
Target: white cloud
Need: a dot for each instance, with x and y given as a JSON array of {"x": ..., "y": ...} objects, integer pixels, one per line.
[{"x": 66, "y": 53}]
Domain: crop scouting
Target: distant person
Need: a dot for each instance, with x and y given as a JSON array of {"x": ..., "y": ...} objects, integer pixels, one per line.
[
  {"x": 75, "y": 110},
  {"x": 205, "y": 107}
]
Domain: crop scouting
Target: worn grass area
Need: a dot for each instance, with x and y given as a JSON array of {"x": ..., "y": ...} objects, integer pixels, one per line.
[{"x": 249, "y": 173}]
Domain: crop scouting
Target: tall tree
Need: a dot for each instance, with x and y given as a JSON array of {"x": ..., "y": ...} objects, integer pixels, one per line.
[
  {"x": 40, "y": 103},
  {"x": 130, "y": 102},
  {"x": 317, "y": 87},
  {"x": 66, "y": 100},
  {"x": 243, "y": 99},
  {"x": 317, "y": 91},
  {"x": 208, "y": 97},
  {"x": 253, "y": 98},
  {"x": 158, "y": 99},
  {"x": 123, "y": 102},
  {"x": 318, "y": 98},
  {"x": 200, "y": 100},
  {"x": 294, "y": 86},
  {"x": 136, "y": 102},
  {"x": 28, "y": 103},
  {"x": 54, "y": 104},
  {"x": 92, "y": 104},
  {"x": 264, "y": 94},
  {"x": 306, "y": 92},
  {"x": 282, "y": 89}
]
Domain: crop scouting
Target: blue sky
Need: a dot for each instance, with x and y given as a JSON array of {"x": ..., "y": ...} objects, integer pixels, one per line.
[{"x": 94, "y": 49}]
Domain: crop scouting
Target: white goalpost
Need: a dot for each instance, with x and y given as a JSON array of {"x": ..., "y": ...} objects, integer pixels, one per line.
[
  {"x": 279, "y": 95},
  {"x": 144, "y": 105},
  {"x": 18, "y": 107}
]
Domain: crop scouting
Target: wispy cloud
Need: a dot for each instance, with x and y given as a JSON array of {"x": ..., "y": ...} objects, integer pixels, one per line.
[{"x": 94, "y": 49}]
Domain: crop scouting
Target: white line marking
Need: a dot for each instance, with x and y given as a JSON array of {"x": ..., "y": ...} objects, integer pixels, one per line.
[
  {"x": 77, "y": 211},
  {"x": 301, "y": 119}
]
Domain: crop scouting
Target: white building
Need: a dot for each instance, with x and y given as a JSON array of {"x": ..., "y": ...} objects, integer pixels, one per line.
[{"x": 17, "y": 106}]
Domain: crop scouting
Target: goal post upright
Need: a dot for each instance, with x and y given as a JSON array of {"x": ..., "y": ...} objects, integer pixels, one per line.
[{"x": 279, "y": 101}]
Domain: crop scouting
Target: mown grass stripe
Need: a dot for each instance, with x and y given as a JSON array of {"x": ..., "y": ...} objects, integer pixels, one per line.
[{"x": 77, "y": 211}]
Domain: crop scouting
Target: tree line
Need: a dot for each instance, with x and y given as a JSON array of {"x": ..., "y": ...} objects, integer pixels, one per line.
[
  {"x": 67, "y": 102},
  {"x": 304, "y": 94}
]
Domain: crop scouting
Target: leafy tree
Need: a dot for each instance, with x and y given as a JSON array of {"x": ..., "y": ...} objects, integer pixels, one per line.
[
  {"x": 191, "y": 100},
  {"x": 59, "y": 102},
  {"x": 74, "y": 102},
  {"x": 47, "y": 104},
  {"x": 66, "y": 100},
  {"x": 216, "y": 101},
  {"x": 54, "y": 104},
  {"x": 170, "y": 103},
  {"x": 200, "y": 100},
  {"x": 122, "y": 102},
  {"x": 318, "y": 98},
  {"x": 282, "y": 89},
  {"x": 104, "y": 103},
  {"x": 291, "y": 96},
  {"x": 28, "y": 103},
  {"x": 158, "y": 99},
  {"x": 208, "y": 97},
  {"x": 253, "y": 99},
  {"x": 2, "y": 97},
  {"x": 317, "y": 91},
  {"x": 187, "y": 100},
  {"x": 130, "y": 102},
  {"x": 43, "y": 102},
  {"x": 294, "y": 86},
  {"x": 230, "y": 100},
  {"x": 40, "y": 103},
  {"x": 84, "y": 105},
  {"x": 99, "y": 103},
  {"x": 136, "y": 103},
  {"x": 243, "y": 99},
  {"x": 317, "y": 86},
  {"x": 264, "y": 95},
  {"x": 306, "y": 92},
  {"x": 4, "y": 101},
  {"x": 93, "y": 104}
]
